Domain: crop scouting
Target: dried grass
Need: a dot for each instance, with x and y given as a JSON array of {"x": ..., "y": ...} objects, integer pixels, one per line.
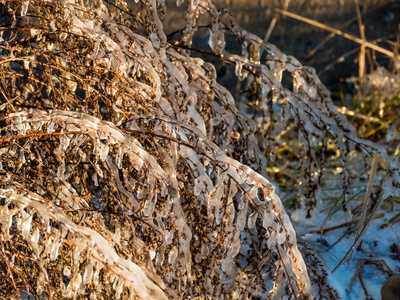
[{"x": 128, "y": 171}]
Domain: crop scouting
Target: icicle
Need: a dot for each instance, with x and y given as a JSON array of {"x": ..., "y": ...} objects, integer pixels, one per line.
[
  {"x": 61, "y": 171},
  {"x": 118, "y": 289},
  {"x": 238, "y": 69},
  {"x": 88, "y": 274},
  {"x": 242, "y": 215},
  {"x": 24, "y": 8},
  {"x": 26, "y": 226},
  {"x": 34, "y": 242},
  {"x": 173, "y": 254},
  {"x": 149, "y": 205},
  {"x": 66, "y": 271},
  {"x": 251, "y": 222},
  {"x": 6, "y": 219},
  {"x": 217, "y": 38},
  {"x": 205, "y": 250}
]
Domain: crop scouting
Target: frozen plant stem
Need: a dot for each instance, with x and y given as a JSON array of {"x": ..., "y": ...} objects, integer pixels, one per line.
[{"x": 127, "y": 170}]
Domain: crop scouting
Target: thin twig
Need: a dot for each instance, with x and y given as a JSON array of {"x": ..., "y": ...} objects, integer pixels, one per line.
[
  {"x": 346, "y": 224},
  {"x": 336, "y": 31},
  {"x": 361, "y": 62}
]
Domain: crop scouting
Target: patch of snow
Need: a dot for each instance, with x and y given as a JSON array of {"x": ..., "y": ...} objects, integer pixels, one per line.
[{"x": 367, "y": 263}]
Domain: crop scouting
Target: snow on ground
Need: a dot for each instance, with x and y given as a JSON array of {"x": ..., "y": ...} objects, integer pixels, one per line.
[{"x": 378, "y": 246}]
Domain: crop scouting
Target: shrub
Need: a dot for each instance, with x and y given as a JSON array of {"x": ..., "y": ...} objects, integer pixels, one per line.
[{"x": 128, "y": 170}]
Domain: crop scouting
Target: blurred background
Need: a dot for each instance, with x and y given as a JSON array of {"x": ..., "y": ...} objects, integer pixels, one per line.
[{"x": 336, "y": 58}]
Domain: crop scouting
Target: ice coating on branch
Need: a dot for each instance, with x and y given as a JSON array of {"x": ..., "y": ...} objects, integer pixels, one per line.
[
  {"x": 99, "y": 247},
  {"x": 217, "y": 38},
  {"x": 127, "y": 157}
]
